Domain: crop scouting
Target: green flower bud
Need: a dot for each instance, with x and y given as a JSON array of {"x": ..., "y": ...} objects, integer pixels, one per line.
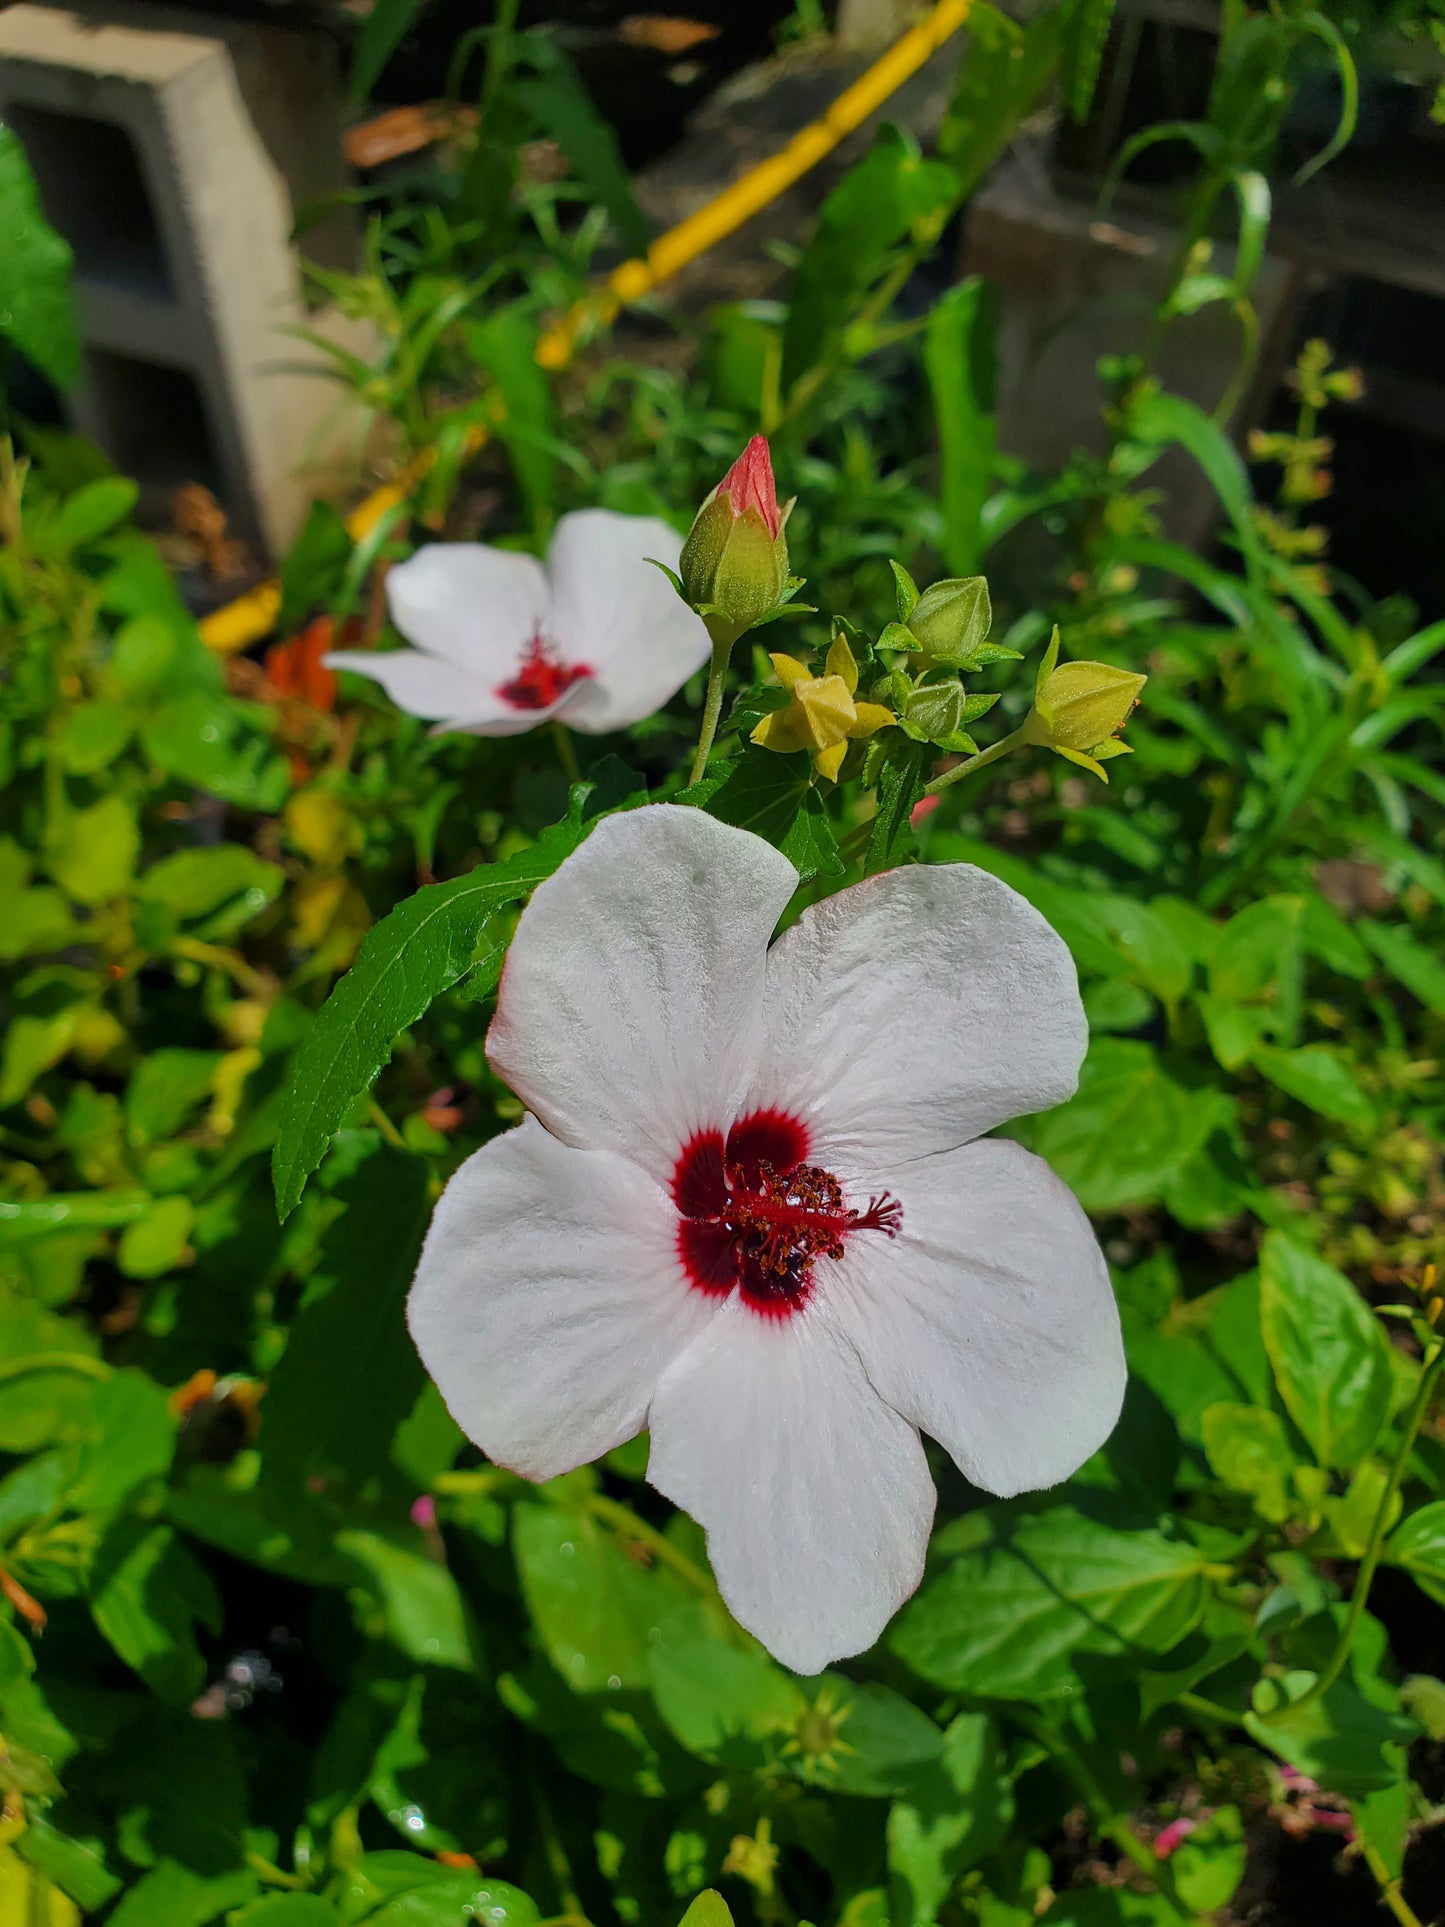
[
  {"x": 734, "y": 565},
  {"x": 950, "y": 621},
  {"x": 935, "y": 710}
]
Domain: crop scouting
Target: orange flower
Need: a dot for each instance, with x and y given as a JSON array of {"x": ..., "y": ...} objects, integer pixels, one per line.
[{"x": 296, "y": 670}]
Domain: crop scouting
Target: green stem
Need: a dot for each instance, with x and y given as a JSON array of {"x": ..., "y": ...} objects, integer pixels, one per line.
[
  {"x": 55, "y": 1362},
  {"x": 984, "y": 756},
  {"x": 621, "y": 1518},
  {"x": 1389, "y": 1885},
  {"x": 712, "y": 705},
  {"x": 1113, "y": 1825},
  {"x": 384, "y": 1124},
  {"x": 566, "y": 754},
  {"x": 1375, "y": 1545}
]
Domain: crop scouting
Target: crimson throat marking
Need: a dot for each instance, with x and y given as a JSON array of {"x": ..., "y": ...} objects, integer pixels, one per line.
[
  {"x": 541, "y": 676},
  {"x": 753, "y": 1216}
]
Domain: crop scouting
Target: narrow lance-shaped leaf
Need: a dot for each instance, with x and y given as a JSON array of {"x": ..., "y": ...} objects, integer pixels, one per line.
[{"x": 425, "y": 946}]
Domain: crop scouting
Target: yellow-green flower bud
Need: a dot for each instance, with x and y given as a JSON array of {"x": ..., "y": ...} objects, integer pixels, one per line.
[
  {"x": 1079, "y": 707},
  {"x": 734, "y": 565}
]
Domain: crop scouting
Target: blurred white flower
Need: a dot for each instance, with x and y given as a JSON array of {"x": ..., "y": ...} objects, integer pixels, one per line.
[
  {"x": 750, "y": 1211},
  {"x": 597, "y": 637}
]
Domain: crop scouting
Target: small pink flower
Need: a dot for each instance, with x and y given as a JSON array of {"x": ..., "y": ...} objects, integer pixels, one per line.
[
  {"x": 749, "y": 484},
  {"x": 923, "y": 809},
  {"x": 1335, "y": 1821},
  {"x": 424, "y": 1512},
  {"x": 1168, "y": 1838}
]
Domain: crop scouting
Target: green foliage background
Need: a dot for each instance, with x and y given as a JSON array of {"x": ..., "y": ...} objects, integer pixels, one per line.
[{"x": 305, "y": 1658}]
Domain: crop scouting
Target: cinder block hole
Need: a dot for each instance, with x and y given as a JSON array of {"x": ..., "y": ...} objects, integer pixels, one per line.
[
  {"x": 93, "y": 190},
  {"x": 152, "y": 423}
]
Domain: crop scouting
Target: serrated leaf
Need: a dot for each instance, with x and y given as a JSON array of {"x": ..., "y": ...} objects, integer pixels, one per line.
[{"x": 406, "y": 961}]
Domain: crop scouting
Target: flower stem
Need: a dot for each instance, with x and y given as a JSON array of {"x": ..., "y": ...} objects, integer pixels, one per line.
[
  {"x": 1109, "y": 1823},
  {"x": 1389, "y": 1885},
  {"x": 712, "y": 705},
  {"x": 1375, "y": 1545},
  {"x": 621, "y": 1518},
  {"x": 566, "y": 754},
  {"x": 989, "y": 755}
]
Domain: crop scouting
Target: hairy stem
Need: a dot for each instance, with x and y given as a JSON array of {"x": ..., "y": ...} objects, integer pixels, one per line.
[
  {"x": 984, "y": 756},
  {"x": 712, "y": 705}
]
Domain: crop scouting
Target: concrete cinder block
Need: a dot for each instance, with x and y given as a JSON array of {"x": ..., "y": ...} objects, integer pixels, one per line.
[
  {"x": 1073, "y": 287},
  {"x": 177, "y": 199}
]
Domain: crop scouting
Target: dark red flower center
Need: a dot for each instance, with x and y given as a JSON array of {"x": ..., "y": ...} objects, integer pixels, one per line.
[
  {"x": 754, "y": 1216},
  {"x": 541, "y": 676}
]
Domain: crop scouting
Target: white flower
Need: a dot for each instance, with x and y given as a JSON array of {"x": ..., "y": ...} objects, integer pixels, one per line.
[
  {"x": 598, "y": 637},
  {"x": 750, "y": 1211}
]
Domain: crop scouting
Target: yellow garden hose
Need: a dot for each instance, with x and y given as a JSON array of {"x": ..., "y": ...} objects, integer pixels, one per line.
[{"x": 253, "y": 616}]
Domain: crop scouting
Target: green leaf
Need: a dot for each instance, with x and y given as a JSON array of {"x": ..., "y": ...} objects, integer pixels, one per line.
[
  {"x": 443, "y": 1897},
  {"x": 349, "y": 1374},
  {"x": 164, "y": 1089},
  {"x": 1321, "y": 1077},
  {"x": 146, "y": 1595},
  {"x": 155, "y": 1244},
  {"x": 129, "y": 1436},
  {"x": 760, "y": 791},
  {"x": 954, "y": 1813},
  {"x": 1418, "y": 1545},
  {"x": 564, "y": 113},
  {"x": 1343, "y": 1740},
  {"x": 1209, "y": 1865},
  {"x": 173, "y": 1895},
  {"x": 418, "y": 1606},
  {"x": 725, "y": 1701},
  {"x": 504, "y": 345},
  {"x": 288, "y": 1910},
  {"x": 891, "y": 195},
  {"x": 1129, "y": 1130},
  {"x": 961, "y": 362},
  {"x": 1003, "y": 72},
  {"x": 91, "y": 737},
  {"x": 1159, "y": 419},
  {"x": 890, "y": 839},
  {"x": 1006, "y": 1619},
  {"x": 595, "y": 1611},
  {"x": 92, "y": 853},
  {"x": 218, "y": 890},
  {"x": 90, "y": 513},
  {"x": 1085, "y": 35},
  {"x": 1330, "y": 1357},
  {"x": 1249, "y": 1450},
  {"x": 1409, "y": 962},
  {"x": 313, "y": 571},
  {"x": 214, "y": 743},
  {"x": 406, "y": 962},
  {"x": 37, "y": 307},
  {"x": 708, "y": 1910},
  {"x": 380, "y": 34}
]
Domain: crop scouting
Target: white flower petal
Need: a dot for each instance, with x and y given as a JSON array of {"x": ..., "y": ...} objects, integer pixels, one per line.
[
  {"x": 815, "y": 1495},
  {"x": 612, "y": 610},
  {"x": 422, "y": 685},
  {"x": 549, "y": 1299},
  {"x": 916, "y": 1011},
  {"x": 476, "y": 606},
  {"x": 630, "y": 1006},
  {"x": 990, "y": 1320}
]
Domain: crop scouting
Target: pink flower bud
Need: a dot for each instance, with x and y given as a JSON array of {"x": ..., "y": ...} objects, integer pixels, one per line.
[
  {"x": 749, "y": 484},
  {"x": 1168, "y": 1838},
  {"x": 424, "y": 1512},
  {"x": 734, "y": 563}
]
